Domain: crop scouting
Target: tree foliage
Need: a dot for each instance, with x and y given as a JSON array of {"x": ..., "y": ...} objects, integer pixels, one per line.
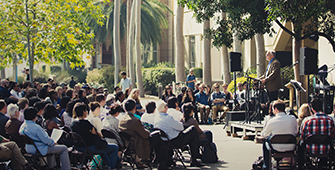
[
  {"x": 56, "y": 29},
  {"x": 248, "y": 17},
  {"x": 153, "y": 22},
  {"x": 244, "y": 17}
]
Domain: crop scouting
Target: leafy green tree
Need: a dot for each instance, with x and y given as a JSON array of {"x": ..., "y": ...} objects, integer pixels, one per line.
[
  {"x": 47, "y": 30},
  {"x": 310, "y": 19}
]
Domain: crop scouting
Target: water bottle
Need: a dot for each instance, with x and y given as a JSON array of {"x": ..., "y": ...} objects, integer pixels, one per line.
[{"x": 209, "y": 120}]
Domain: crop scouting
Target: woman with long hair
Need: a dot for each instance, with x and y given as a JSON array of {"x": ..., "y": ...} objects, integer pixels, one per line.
[
  {"x": 167, "y": 93},
  {"x": 50, "y": 118},
  {"x": 134, "y": 94},
  {"x": 127, "y": 93},
  {"x": 189, "y": 121},
  {"x": 303, "y": 112},
  {"x": 189, "y": 97},
  {"x": 93, "y": 117},
  {"x": 82, "y": 96}
]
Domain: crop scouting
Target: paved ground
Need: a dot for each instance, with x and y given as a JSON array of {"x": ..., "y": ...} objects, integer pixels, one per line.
[{"x": 234, "y": 153}]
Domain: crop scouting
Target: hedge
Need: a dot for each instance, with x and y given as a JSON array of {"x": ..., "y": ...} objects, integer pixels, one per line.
[{"x": 153, "y": 76}]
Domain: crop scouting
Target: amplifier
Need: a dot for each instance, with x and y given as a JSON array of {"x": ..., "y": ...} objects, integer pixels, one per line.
[{"x": 236, "y": 116}]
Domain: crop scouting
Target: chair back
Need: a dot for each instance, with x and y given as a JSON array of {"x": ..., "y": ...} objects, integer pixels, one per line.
[
  {"x": 283, "y": 139},
  {"x": 162, "y": 133},
  {"x": 27, "y": 140},
  {"x": 125, "y": 136},
  {"x": 319, "y": 140},
  {"x": 16, "y": 138},
  {"x": 107, "y": 134},
  {"x": 77, "y": 139}
]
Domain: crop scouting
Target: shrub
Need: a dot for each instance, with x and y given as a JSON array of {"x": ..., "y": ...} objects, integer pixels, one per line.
[
  {"x": 40, "y": 77},
  {"x": 197, "y": 72},
  {"x": 104, "y": 76},
  {"x": 153, "y": 76},
  {"x": 55, "y": 69},
  {"x": 79, "y": 74},
  {"x": 231, "y": 87}
]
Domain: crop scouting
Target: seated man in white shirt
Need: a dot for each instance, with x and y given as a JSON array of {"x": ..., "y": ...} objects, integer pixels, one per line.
[
  {"x": 148, "y": 117},
  {"x": 173, "y": 109},
  {"x": 280, "y": 124},
  {"x": 176, "y": 133},
  {"x": 15, "y": 90}
]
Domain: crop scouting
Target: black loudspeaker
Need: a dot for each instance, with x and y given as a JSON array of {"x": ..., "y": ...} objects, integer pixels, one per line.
[
  {"x": 308, "y": 61},
  {"x": 235, "y": 62},
  {"x": 284, "y": 57}
]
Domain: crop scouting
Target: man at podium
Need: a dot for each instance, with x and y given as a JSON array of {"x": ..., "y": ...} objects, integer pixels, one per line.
[{"x": 271, "y": 78}]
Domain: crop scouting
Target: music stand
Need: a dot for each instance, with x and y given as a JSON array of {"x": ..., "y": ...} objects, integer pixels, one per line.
[{"x": 298, "y": 88}]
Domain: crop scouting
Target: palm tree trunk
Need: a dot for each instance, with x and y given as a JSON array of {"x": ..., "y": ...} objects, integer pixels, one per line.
[
  {"x": 127, "y": 33},
  {"x": 207, "y": 75},
  {"x": 131, "y": 45},
  {"x": 138, "y": 48},
  {"x": 225, "y": 59},
  {"x": 260, "y": 50},
  {"x": 180, "y": 48},
  {"x": 116, "y": 36}
]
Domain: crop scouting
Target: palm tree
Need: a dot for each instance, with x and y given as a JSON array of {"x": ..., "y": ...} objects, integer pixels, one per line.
[
  {"x": 153, "y": 23},
  {"x": 179, "y": 43},
  {"x": 116, "y": 42},
  {"x": 138, "y": 48}
]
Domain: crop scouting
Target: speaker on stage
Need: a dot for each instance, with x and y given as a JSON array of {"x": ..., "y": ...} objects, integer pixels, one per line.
[
  {"x": 284, "y": 57},
  {"x": 235, "y": 61},
  {"x": 308, "y": 61}
]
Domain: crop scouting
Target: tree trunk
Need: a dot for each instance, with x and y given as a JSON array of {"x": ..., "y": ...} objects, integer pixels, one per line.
[
  {"x": 237, "y": 45},
  {"x": 207, "y": 75},
  {"x": 127, "y": 33},
  {"x": 180, "y": 48},
  {"x": 138, "y": 48},
  {"x": 225, "y": 59},
  {"x": 131, "y": 45},
  {"x": 296, "y": 45},
  {"x": 116, "y": 36},
  {"x": 15, "y": 68},
  {"x": 260, "y": 50}
]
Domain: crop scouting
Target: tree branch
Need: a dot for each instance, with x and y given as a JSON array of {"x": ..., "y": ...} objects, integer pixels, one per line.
[
  {"x": 284, "y": 28},
  {"x": 328, "y": 38}
]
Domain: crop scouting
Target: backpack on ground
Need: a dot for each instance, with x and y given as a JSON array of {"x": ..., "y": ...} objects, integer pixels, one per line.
[
  {"x": 209, "y": 153},
  {"x": 257, "y": 165}
]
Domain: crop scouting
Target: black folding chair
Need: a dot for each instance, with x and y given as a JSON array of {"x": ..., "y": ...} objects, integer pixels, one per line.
[
  {"x": 37, "y": 156},
  {"x": 108, "y": 134},
  {"x": 85, "y": 156},
  {"x": 176, "y": 150},
  {"x": 278, "y": 156},
  {"x": 129, "y": 151},
  {"x": 312, "y": 159}
]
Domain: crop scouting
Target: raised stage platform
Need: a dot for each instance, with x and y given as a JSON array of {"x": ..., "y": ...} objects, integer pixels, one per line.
[{"x": 234, "y": 126}]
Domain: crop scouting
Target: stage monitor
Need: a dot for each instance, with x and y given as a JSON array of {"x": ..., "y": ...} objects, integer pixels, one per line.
[{"x": 284, "y": 57}]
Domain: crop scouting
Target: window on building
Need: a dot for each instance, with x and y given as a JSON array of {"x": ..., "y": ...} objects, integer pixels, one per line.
[
  {"x": 149, "y": 53},
  {"x": 192, "y": 51}
]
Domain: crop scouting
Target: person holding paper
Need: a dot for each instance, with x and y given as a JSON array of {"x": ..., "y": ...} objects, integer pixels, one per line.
[{"x": 41, "y": 139}]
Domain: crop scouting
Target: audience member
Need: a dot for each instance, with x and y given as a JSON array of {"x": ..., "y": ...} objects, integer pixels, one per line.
[
  {"x": 111, "y": 123},
  {"x": 189, "y": 97},
  {"x": 63, "y": 102},
  {"x": 127, "y": 93},
  {"x": 119, "y": 97},
  {"x": 117, "y": 89},
  {"x": 237, "y": 93},
  {"x": 180, "y": 95},
  {"x": 133, "y": 126},
  {"x": 67, "y": 117},
  {"x": 317, "y": 123},
  {"x": 31, "y": 93},
  {"x": 15, "y": 90},
  {"x": 102, "y": 101},
  {"x": 149, "y": 116},
  {"x": 4, "y": 86},
  {"x": 92, "y": 97},
  {"x": 173, "y": 109},
  {"x": 88, "y": 132},
  {"x": 23, "y": 103},
  {"x": 59, "y": 91},
  {"x": 218, "y": 100},
  {"x": 304, "y": 111},
  {"x": 189, "y": 121},
  {"x": 70, "y": 93},
  {"x": 10, "y": 150},
  {"x": 50, "y": 118},
  {"x": 167, "y": 93},
  {"x": 93, "y": 117},
  {"x": 72, "y": 83},
  {"x": 82, "y": 96},
  {"x": 13, "y": 124},
  {"x": 201, "y": 99},
  {"x": 176, "y": 133},
  {"x": 39, "y": 106},
  {"x": 280, "y": 124},
  {"x": 197, "y": 86},
  {"x": 139, "y": 109},
  {"x": 3, "y": 117},
  {"x": 229, "y": 96},
  {"x": 42, "y": 141}
]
